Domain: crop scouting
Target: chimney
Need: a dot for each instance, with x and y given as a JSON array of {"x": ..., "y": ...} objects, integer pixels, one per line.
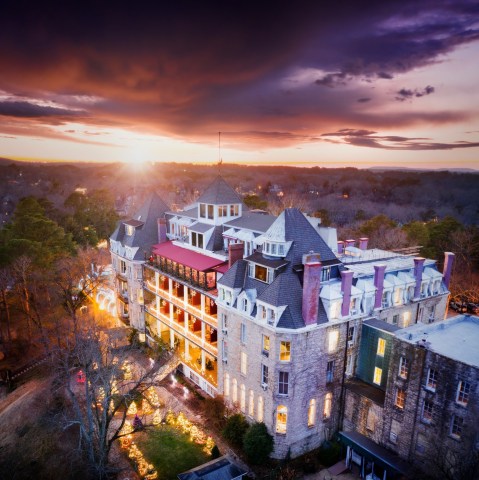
[
  {"x": 418, "y": 264},
  {"x": 346, "y": 283},
  {"x": 311, "y": 285},
  {"x": 162, "y": 230},
  {"x": 350, "y": 243},
  {"x": 363, "y": 243},
  {"x": 340, "y": 247},
  {"x": 379, "y": 271},
  {"x": 235, "y": 253},
  {"x": 448, "y": 264}
]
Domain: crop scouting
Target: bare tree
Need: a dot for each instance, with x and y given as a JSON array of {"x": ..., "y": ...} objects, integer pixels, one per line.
[{"x": 102, "y": 393}]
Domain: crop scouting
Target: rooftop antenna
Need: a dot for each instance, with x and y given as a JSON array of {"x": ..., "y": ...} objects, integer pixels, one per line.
[{"x": 220, "y": 160}]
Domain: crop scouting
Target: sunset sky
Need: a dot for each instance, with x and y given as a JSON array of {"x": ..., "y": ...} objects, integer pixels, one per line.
[{"x": 357, "y": 83}]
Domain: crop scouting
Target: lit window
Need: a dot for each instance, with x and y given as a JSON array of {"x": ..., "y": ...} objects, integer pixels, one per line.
[
  {"x": 244, "y": 362},
  {"x": 285, "y": 351},
  {"x": 403, "y": 367},
  {"x": 227, "y": 385},
  {"x": 333, "y": 338},
  {"x": 381, "y": 347},
  {"x": 312, "y": 413},
  {"x": 400, "y": 399},
  {"x": 130, "y": 230},
  {"x": 265, "y": 345},
  {"x": 456, "y": 426},
  {"x": 235, "y": 390},
  {"x": 283, "y": 384},
  {"x": 427, "y": 409},
  {"x": 243, "y": 333},
  {"x": 260, "y": 415},
  {"x": 431, "y": 382},
  {"x": 281, "y": 419},
  {"x": 264, "y": 374},
  {"x": 330, "y": 371},
  {"x": 462, "y": 396},
  {"x": 251, "y": 403},
  {"x": 243, "y": 398},
  {"x": 328, "y": 402},
  {"x": 378, "y": 373}
]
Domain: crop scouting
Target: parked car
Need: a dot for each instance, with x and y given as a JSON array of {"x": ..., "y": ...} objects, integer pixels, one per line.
[
  {"x": 473, "y": 308},
  {"x": 459, "y": 307}
]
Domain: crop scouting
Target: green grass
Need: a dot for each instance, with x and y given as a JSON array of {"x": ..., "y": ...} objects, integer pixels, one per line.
[{"x": 171, "y": 452}]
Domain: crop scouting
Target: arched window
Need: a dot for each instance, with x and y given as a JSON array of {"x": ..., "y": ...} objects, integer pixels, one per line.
[
  {"x": 281, "y": 419},
  {"x": 227, "y": 385},
  {"x": 312, "y": 413},
  {"x": 260, "y": 415},
  {"x": 243, "y": 398},
  {"x": 328, "y": 401},
  {"x": 235, "y": 390}
]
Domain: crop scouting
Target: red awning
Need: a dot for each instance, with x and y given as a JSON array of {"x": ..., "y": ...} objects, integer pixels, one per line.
[
  {"x": 222, "y": 268},
  {"x": 195, "y": 260}
]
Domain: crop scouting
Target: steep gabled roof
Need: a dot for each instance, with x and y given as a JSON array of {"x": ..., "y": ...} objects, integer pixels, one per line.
[
  {"x": 145, "y": 223},
  {"x": 219, "y": 193}
]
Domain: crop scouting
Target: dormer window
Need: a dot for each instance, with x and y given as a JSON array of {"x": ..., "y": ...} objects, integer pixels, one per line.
[
  {"x": 197, "y": 239},
  {"x": 273, "y": 248},
  {"x": 234, "y": 210},
  {"x": 261, "y": 273},
  {"x": 207, "y": 211},
  {"x": 130, "y": 230},
  {"x": 222, "y": 211}
]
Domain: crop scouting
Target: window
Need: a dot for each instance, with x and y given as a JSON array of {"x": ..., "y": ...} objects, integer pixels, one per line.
[
  {"x": 281, "y": 419},
  {"x": 421, "y": 443},
  {"x": 378, "y": 373},
  {"x": 197, "y": 239},
  {"x": 235, "y": 390},
  {"x": 251, "y": 404},
  {"x": 400, "y": 399},
  {"x": 456, "y": 426},
  {"x": 351, "y": 334},
  {"x": 283, "y": 384},
  {"x": 225, "y": 350},
  {"x": 325, "y": 274},
  {"x": 243, "y": 398},
  {"x": 211, "y": 213},
  {"x": 371, "y": 420},
  {"x": 222, "y": 210},
  {"x": 381, "y": 347},
  {"x": 431, "y": 381},
  {"x": 265, "y": 345},
  {"x": 328, "y": 402},
  {"x": 264, "y": 374},
  {"x": 122, "y": 266},
  {"x": 312, "y": 413},
  {"x": 349, "y": 364},
  {"x": 394, "y": 432},
  {"x": 427, "y": 409},
  {"x": 462, "y": 396},
  {"x": 245, "y": 305},
  {"x": 202, "y": 210},
  {"x": 333, "y": 338},
  {"x": 234, "y": 210},
  {"x": 130, "y": 230},
  {"x": 243, "y": 333},
  {"x": 224, "y": 320},
  {"x": 244, "y": 363},
  {"x": 285, "y": 351},
  {"x": 330, "y": 371},
  {"x": 227, "y": 385},
  {"x": 403, "y": 367},
  {"x": 395, "y": 319},
  {"x": 260, "y": 415},
  {"x": 259, "y": 272}
]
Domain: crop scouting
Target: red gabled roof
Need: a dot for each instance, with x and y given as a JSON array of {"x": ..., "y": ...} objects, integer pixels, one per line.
[{"x": 195, "y": 260}]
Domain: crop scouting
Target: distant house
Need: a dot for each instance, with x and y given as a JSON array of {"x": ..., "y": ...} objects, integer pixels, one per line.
[{"x": 220, "y": 469}]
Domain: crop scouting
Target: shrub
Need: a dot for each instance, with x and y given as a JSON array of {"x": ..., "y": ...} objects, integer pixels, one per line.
[
  {"x": 235, "y": 429},
  {"x": 258, "y": 443},
  {"x": 215, "y": 409},
  {"x": 215, "y": 452},
  {"x": 329, "y": 453}
]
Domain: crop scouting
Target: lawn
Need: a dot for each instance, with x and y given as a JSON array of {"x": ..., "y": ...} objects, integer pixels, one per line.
[{"x": 171, "y": 452}]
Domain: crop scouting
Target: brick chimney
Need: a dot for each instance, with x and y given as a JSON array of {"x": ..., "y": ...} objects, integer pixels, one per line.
[
  {"x": 350, "y": 243},
  {"x": 162, "y": 230},
  {"x": 379, "y": 271},
  {"x": 311, "y": 286},
  {"x": 363, "y": 243},
  {"x": 418, "y": 265},
  {"x": 346, "y": 284},
  {"x": 448, "y": 264},
  {"x": 340, "y": 247},
  {"x": 235, "y": 253}
]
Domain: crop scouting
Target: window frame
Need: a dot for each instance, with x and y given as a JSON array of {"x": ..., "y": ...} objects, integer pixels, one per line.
[
  {"x": 283, "y": 383},
  {"x": 285, "y": 351},
  {"x": 400, "y": 398},
  {"x": 403, "y": 368}
]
